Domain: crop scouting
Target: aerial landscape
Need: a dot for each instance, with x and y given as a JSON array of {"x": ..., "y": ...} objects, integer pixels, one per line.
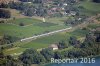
[{"x": 49, "y": 32}]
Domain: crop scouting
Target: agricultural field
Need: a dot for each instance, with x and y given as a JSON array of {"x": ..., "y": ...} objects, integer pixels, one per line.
[
  {"x": 31, "y": 27},
  {"x": 39, "y": 27},
  {"x": 93, "y": 26},
  {"x": 44, "y": 42},
  {"x": 33, "y": 32},
  {"x": 26, "y": 21},
  {"x": 89, "y": 8},
  {"x": 57, "y": 20}
]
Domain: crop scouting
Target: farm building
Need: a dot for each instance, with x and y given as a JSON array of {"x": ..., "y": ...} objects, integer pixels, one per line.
[{"x": 54, "y": 47}]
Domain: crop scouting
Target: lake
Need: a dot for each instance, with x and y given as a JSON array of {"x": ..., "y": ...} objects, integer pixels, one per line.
[{"x": 97, "y": 63}]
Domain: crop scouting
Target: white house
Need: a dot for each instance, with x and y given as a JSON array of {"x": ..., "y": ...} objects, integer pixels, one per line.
[
  {"x": 72, "y": 12},
  {"x": 54, "y": 47},
  {"x": 65, "y": 4}
]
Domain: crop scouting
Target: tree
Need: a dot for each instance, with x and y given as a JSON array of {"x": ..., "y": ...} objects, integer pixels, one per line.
[
  {"x": 2, "y": 21},
  {"x": 58, "y": 55},
  {"x": 29, "y": 11},
  {"x": 17, "y": 5},
  {"x": 62, "y": 45},
  {"x": 97, "y": 1},
  {"x": 47, "y": 53},
  {"x": 31, "y": 56},
  {"x": 75, "y": 53},
  {"x": 98, "y": 38},
  {"x": 89, "y": 41},
  {"x": 97, "y": 34},
  {"x": 74, "y": 42},
  {"x": 21, "y": 24},
  {"x": 2, "y": 5},
  {"x": 5, "y": 13},
  {"x": 1, "y": 54},
  {"x": 7, "y": 39},
  {"x": 7, "y": 60}
]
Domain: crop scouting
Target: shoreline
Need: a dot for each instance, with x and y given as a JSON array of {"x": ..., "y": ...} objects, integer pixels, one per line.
[{"x": 77, "y": 58}]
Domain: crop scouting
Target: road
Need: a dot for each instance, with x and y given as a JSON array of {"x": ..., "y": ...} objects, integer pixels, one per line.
[
  {"x": 84, "y": 24},
  {"x": 46, "y": 34}
]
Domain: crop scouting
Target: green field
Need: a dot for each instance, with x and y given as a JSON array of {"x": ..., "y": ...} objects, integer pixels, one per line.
[
  {"x": 57, "y": 20},
  {"x": 93, "y": 26},
  {"x": 47, "y": 41},
  {"x": 36, "y": 27},
  {"x": 44, "y": 41},
  {"x": 89, "y": 8},
  {"x": 32, "y": 27},
  {"x": 26, "y": 21}
]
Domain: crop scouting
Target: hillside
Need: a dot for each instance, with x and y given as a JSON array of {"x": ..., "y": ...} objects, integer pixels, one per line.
[{"x": 34, "y": 31}]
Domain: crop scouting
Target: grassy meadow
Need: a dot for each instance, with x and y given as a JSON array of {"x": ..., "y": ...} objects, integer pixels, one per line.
[
  {"x": 32, "y": 27},
  {"x": 89, "y": 8},
  {"x": 47, "y": 41}
]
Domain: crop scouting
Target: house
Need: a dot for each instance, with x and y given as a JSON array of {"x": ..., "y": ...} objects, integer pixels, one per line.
[
  {"x": 7, "y": 1},
  {"x": 73, "y": 13},
  {"x": 98, "y": 29},
  {"x": 79, "y": 18},
  {"x": 54, "y": 47},
  {"x": 65, "y": 4}
]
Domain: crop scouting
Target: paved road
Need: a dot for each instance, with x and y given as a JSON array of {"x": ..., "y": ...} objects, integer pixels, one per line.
[{"x": 46, "y": 34}]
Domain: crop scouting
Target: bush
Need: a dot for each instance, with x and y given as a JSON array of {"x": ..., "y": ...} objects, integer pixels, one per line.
[
  {"x": 21, "y": 24},
  {"x": 5, "y": 13},
  {"x": 6, "y": 39},
  {"x": 97, "y": 1},
  {"x": 2, "y": 21}
]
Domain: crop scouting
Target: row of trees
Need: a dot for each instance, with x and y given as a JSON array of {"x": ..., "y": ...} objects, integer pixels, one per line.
[
  {"x": 6, "y": 39},
  {"x": 7, "y": 60},
  {"x": 3, "y": 5},
  {"x": 90, "y": 46},
  {"x": 77, "y": 20},
  {"x": 29, "y": 9},
  {"x": 5, "y": 13},
  {"x": 97, "y": 1}
]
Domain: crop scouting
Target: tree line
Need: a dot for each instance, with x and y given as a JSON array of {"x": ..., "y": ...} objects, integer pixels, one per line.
[
  {"x": 7, "y": 39},
  {"x": 40, "y": 9},
  {"x": 5, "y": 13},
  {"x": 97, "y": 1},
  {"x": 7, "y": 60}
]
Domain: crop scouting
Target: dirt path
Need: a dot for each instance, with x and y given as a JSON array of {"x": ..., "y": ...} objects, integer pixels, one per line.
[{"x": 46, "y": 34}]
